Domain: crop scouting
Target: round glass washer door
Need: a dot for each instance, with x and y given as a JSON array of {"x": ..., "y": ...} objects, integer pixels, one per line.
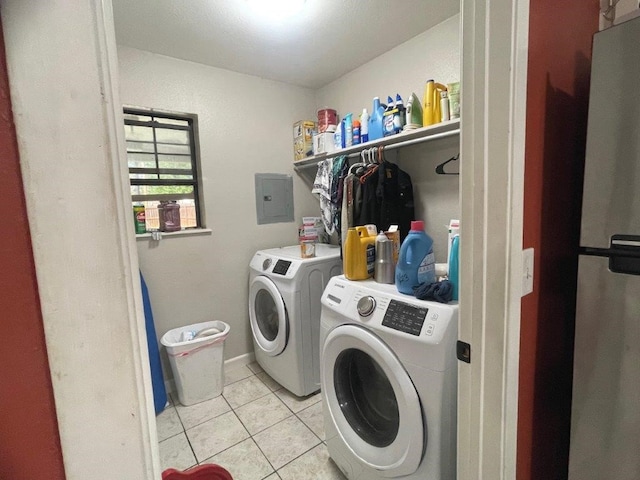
[
  {"x": 268, "y": 316},
  {"x": 372, "y": 401}
]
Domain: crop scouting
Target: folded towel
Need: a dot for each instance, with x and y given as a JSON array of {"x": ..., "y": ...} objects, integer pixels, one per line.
[{"x": 439, "y": 291}]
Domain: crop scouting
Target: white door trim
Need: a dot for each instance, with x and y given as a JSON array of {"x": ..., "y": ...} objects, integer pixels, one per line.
[
  {"x": 494, "y": 69},
  {"x": 62, "y": 66}
]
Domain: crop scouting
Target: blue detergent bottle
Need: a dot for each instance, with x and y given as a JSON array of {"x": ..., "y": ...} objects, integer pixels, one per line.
[
  {"x": 416, "y": 262},
  {"x": 375, "y": 120},
  {"x": 454, "y": 267}
]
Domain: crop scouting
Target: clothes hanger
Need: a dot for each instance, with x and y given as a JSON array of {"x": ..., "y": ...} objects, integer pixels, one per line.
[
  {"x": 440, "y": 168},
  {"x": 361, "y": 163}
]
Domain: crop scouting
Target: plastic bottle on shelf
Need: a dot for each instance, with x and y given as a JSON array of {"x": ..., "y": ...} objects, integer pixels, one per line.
[
  {"x": 444, "y": 106},
  {"x": 348, "y": 130},
  {"x": 416, "y": 262},
  {"x": 454, "y": 267},
  {"x": 364, "y": 126},
  {"x": 375, "y": 120},
  {"x": 356, "y": 132},
  {"x": 387, "y": 118},
  {"x": 399, "y": 117}
]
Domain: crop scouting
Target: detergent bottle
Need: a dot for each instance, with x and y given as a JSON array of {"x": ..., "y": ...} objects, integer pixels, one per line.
[
  {"x": 375, "y": 120},
  {"x": 359, "y": 254},
  {"x": 454, "y": 267},
  {"x": 416, "y": 262},
  {"x": 431, "y": 113},
  {"x": 413, "y": 113}
]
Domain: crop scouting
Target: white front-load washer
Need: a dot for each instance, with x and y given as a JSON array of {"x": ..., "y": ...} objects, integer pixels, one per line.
[
  {"x": 388, "y": 382},
  {"x": 284, "y": 311}
]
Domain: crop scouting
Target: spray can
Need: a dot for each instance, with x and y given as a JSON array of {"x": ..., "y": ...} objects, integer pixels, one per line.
[
  {"x": 139, "y": 218},
  {"x": 364, "y": 126}
]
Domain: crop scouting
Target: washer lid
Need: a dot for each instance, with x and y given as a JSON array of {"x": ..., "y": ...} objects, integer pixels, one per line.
[
  {"x": 372, "y": 402},
  {"x": 268, "y": 316}
]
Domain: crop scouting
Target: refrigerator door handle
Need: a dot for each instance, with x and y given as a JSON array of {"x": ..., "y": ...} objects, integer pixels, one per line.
[{"x": 623, "y": 253}]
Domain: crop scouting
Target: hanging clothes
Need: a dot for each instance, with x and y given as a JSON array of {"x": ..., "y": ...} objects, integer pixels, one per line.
[
  {"x": 322, "y": 188},
  {"x": 386, "y": 198},
  {"x": 340, "y": 171},
  {"x": 395, "y": 197}
]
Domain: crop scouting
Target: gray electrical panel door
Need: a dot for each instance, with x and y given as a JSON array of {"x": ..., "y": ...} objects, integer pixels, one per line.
[{"x": 274, "y": 198}]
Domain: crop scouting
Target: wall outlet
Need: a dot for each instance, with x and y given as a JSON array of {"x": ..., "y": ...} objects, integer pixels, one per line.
[{"x": 527, "y": 271}]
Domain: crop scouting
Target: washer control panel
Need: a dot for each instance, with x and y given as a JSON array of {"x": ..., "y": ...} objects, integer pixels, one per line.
[
  {"x": 405, "y": 317},
  {"x": 380, "y": 306},
  {"x": 281, "y": 267}
]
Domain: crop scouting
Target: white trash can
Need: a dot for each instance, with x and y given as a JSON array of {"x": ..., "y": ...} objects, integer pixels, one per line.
[{"x": 196, "y": 354}]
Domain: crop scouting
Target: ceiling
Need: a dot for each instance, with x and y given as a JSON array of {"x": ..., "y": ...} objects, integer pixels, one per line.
[{"x": 327, "y": 39}]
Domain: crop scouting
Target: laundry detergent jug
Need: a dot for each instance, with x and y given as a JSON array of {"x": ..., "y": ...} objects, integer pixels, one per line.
[
  {"x": 431, "y": 113},
  {"x": 359, "y": 254},
  {"x": 416, "y": 263}
]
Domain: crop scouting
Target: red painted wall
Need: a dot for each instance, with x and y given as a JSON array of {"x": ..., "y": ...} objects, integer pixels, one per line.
[
  {"x": 560, "y": 36},
  {"x": 29, "y": 440}
]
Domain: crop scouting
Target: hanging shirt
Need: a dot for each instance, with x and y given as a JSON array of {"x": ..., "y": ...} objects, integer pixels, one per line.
[{"x": 322, "y": 188}]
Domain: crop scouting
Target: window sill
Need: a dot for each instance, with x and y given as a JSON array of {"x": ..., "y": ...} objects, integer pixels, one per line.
[{"x": 182, "y": 233}]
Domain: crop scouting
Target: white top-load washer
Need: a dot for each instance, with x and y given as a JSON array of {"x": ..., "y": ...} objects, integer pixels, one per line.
[
  {"x": 284, "y": 311},
  {"x": 388, "y": 382}
]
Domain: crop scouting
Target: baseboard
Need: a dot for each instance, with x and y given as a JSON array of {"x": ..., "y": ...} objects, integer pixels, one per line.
[{"x": 239, "y": 361}]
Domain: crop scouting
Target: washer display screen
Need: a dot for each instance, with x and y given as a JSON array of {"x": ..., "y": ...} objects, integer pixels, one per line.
[
  {"x": 404, "y": 317},
  {"x": 281, "y": 267}
]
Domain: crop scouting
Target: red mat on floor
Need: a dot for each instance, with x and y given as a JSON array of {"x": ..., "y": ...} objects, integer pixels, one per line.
[{"x": 202, "y": 472}]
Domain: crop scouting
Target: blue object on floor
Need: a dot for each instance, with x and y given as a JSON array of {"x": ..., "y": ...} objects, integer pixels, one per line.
[{"x": 159, "y": 392}]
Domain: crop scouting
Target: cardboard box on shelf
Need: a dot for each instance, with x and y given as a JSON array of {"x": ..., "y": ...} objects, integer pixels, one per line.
[{"x": 303, "y": 139}]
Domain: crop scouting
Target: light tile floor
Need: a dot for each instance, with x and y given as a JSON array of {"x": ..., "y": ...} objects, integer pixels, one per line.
[{"x": 256, "y": 429}]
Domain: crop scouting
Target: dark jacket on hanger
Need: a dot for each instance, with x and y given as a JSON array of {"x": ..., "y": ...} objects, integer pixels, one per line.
[{"x": 387, "y": 199}]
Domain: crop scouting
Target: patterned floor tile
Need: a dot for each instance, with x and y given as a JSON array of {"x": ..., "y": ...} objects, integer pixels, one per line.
[
  {"x": 240, "y": 373},
  {"x": 201, "y": 412},
  {"x": 168, "y": 424},
  {"x": 297, "y": 404},
  {"x": 244, "y": 461},
  {"x": 255, "y": 367},
  {"x": 312, "y": 417},
  {"x": 175, "y": 452},
  {"x": 245, "y": 391},
  {"x": 268, "y": 381},
  {"x": 262, "y": 413},
  {"x": 216, "y": 435},
  {"x": 315, "y": 464},
  {"x": 285, "y": 441}
]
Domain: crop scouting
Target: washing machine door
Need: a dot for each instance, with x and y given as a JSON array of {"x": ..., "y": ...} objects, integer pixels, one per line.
[
  {"x": 372, "y": 401},
  {"x": 268, "y": 316}
]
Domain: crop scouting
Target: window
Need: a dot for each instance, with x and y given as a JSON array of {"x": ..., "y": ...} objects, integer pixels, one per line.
[{"x": 163, "y": 164}]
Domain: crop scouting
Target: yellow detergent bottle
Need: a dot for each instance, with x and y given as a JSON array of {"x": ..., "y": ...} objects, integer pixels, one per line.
[
  {"x": 359, "y": 254},
  {"x": 431, "y": 113}
]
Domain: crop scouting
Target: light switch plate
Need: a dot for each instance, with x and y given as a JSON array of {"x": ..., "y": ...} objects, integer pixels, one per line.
[{"x": 527, "y": 271}]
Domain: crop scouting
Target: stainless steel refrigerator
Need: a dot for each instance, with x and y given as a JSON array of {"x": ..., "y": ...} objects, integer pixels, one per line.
[{"x": 605, "y": 417}]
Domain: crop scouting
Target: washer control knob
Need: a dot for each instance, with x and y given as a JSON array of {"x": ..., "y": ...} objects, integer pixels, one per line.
[
  {"x": 366, "y": 306},
  {"x": 266, "y": 264}
]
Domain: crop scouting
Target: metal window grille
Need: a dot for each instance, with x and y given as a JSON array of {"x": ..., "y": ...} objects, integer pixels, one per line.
[{"x": 163, "y": 166}]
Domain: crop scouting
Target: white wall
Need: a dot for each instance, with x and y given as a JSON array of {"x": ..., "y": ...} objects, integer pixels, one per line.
[
  {"x": 434, "y": 54},
  {"x": 245, "y": 127}
]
